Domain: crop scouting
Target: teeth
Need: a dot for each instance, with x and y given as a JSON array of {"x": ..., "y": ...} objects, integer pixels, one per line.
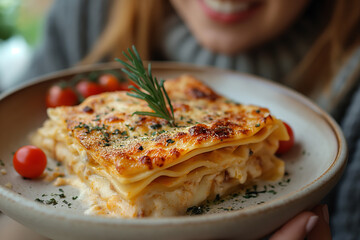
[{"x": 227, "y": 7}]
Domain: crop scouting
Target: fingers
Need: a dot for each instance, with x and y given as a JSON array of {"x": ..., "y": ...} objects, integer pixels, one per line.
[
  {"x": 313, "y": 225},
  {"x": 322, "y": 229},
  {"x": 297, "y": 228}
]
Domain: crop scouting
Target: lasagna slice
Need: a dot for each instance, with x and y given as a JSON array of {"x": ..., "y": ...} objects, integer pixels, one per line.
[{"x": 137, "y": 166}]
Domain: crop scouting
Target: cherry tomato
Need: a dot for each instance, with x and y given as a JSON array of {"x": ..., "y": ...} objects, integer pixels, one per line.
[
  {"x": 29, "y": 161},
  {"x": 126, "y": 86},
  {"x": 132, "y": 84},
  {"x": 58, "y": 96},
  {"x": 109, "y": 82},
  {"x": 120, "y": 86},
  {"x": 86, "y": 88},
  {"x": 285, "y": 146}
]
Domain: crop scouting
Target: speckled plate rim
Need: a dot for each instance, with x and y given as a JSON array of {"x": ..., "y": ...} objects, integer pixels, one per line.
[{"x": 332, "y": 172}]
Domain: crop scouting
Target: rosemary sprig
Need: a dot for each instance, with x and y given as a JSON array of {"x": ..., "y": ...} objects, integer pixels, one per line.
[{"x": 150, "y": 90}]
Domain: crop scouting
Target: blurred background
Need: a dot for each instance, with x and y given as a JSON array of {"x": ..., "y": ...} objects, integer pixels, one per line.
[{"x": 21, "y": 25}]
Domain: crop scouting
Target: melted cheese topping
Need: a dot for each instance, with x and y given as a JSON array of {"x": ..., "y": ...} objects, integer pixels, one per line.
[
  {"x": 140, "y": 166},
  {"x": 134, "y": 147}
]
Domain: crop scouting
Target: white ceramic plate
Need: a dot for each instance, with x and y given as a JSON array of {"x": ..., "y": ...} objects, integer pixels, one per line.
[{"x": 314, "y": 165}]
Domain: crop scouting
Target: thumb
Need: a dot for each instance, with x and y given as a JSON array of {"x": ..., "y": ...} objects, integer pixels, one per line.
[
  {"x": 297, "y": 228},
  {"x": 322, "y": 230}
]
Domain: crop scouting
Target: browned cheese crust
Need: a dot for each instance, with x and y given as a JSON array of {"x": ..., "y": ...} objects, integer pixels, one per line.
[{"x": 128, "y": 144}]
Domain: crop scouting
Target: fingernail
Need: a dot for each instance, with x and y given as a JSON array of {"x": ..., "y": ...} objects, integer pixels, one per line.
[
  {"x": 325, "y": 211},
  {"x": 311, "y": 223}
]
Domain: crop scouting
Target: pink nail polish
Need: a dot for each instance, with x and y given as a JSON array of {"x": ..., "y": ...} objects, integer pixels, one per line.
[
  {"x": 325, "y": 211},
  {"x": 311, "y": 223}
]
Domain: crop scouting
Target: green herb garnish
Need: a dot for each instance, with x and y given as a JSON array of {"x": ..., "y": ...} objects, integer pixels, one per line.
[
  {"x": 169, "y": 141},
  {"x": 39, "y": 200},
  {"x": 195, "y": 210},
  {"x": 150, "y": 90},
  {"x": 156, "y": 126},
  {"x": 51, "y": 201}
]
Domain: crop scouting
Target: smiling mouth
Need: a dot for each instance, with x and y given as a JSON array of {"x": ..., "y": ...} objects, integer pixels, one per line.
[{"x": 229, "y": 11}]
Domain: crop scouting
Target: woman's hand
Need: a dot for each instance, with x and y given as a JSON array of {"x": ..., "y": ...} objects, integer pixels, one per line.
[{"x": 310, "y": 224}]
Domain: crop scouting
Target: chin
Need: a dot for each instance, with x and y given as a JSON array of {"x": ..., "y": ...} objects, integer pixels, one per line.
[
  {"x": 234, "y": 26},
  {"x": 227, "y": 46}
]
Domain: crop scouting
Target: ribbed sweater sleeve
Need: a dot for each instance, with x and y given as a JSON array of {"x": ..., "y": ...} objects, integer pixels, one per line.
[{"x": 346, "y": 212}]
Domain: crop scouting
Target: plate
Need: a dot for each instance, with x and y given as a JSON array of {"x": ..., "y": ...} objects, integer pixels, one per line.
[{"x": 313, "y": 167}]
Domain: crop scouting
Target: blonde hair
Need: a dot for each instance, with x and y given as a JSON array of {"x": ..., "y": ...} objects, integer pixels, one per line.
[
  {"x": 131, "y": 22},
  {"x": 331, "y": 48},
  {"x": 135, "y": 22}
]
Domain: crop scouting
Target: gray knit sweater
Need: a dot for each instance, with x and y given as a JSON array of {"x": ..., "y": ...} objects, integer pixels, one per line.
[{"x": 73, "y": 26}]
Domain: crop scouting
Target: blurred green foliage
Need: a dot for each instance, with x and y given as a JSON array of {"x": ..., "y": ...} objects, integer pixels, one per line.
[
  {"x": 16, "y": 18},
  {"x": 30, "y": 30},
  {"x": 7, "y": 14}
]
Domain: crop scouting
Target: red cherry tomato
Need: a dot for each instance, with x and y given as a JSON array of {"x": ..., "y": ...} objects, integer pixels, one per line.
[
  {"x": 126, "y": 86},
  {"x": 120, "y": 86},
  {"x": 29, "y": 161},
  {"x": 86, "y": 88},
  {"x": 58, "y": 96},
  {"x": 285, "y": 146},
  {"x": 132, "y": 84},
  {"x": 109, "y": 82}
]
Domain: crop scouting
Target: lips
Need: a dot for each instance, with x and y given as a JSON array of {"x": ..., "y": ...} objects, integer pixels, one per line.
[{"x": 229, "y": 11}]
